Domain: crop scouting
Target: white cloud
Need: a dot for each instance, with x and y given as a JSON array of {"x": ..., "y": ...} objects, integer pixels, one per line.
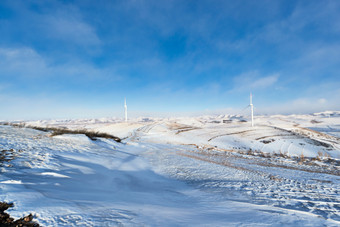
[
  {"x": 264, "y": 82},
  {"x": 301, "y": 105},
  {"x": 71, "y": 29},
  {"x": 55, "y": 20},
  {"x": 322, "y": 101},
  {"x": 317, "y": 59},
  {"x": 21, "y": 62},
  {"x": 27, "y": 63},
  {"x": 252, "y": 81}
]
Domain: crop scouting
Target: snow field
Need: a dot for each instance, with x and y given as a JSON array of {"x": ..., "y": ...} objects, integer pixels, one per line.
[{"x": 175, "y": 172}]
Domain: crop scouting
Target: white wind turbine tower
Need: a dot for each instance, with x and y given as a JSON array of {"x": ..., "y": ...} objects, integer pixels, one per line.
[
  {"x": 125, "y": 108},
  {"x": 251, "y": 110}
]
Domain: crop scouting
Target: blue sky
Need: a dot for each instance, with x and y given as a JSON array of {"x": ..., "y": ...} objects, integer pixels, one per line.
[{"x": 79, "y": 59}]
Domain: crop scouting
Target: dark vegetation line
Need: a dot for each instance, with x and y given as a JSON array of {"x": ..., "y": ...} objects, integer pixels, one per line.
[
  {"x": 90, "y": 134},
  {"x": 7, "y": 221},
  {"x": 60, "y": 131}
]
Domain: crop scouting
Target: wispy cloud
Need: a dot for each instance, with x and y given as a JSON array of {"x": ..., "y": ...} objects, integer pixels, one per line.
[
  {"x": 25, "y": 67},
  {"x": 300, "y": 106},
  {"x": 252, "y": 81},
  {"x": 21, "y": 62},
  {"x": 67, "y": 27},
  {"x": 50, "y": 25}
]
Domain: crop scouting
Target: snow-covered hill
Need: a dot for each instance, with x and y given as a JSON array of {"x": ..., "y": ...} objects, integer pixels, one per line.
[
  {"x": 201, "y": 171},
  {"x": 313, "y": 135}
]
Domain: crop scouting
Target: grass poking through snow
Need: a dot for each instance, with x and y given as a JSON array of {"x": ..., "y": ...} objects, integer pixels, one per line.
[
  {"x": 7, "y": 220},
  {"x": 60, "y": 131}
]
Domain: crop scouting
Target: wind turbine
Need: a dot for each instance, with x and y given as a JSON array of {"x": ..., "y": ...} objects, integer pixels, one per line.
[
  {"x": 251, "y": 110},
  {"x": 125, "y": 108}
]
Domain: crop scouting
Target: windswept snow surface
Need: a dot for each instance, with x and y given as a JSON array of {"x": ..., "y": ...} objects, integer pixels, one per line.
[{"x": 176, "y": 172}]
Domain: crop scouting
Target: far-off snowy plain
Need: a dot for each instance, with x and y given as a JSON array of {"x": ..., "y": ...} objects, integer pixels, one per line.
[{"x": 197, "y": 171}]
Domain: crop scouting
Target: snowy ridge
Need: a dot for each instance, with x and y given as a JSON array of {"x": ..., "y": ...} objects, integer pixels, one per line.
[{"x": 295, "y": 135}]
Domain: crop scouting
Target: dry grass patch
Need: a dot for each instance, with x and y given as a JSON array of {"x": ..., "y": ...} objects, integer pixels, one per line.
[
  {"x": 90, "y": 134},
  {"x": 60, "y": 131},
  {"x": 7, "y": 220}
]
